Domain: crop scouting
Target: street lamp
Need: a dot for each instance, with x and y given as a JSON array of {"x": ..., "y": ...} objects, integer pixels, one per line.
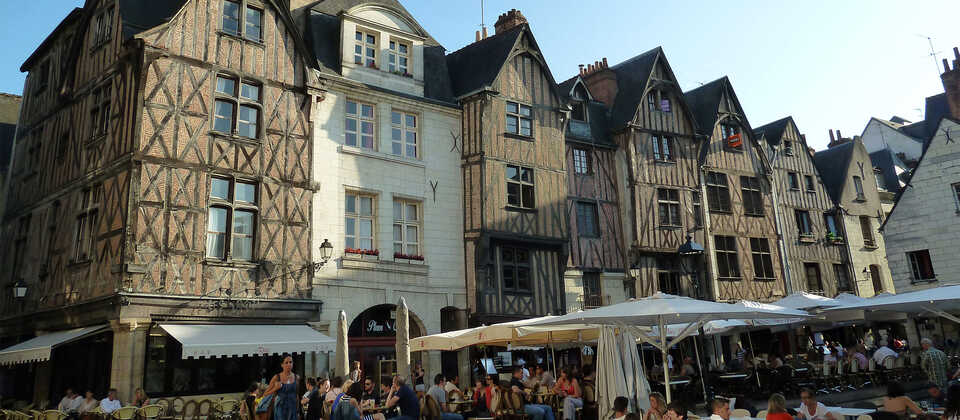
[
  {"x": 19, "y": 289},
  {"x": 326, "y": 250}
]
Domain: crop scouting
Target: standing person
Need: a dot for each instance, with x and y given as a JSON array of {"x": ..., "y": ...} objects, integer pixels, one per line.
[
  {"x": 810, "y": 409},
  {"x": 568, "y": 388},
  {"x": 720, "y": 409},
  {"x": 70, "y": 403},
  {"x": 418, "y": 378},
  {"x": 620, "y": 408},
  {"x": 311, "y": 389},
  {"x": 440, "y": 396},
  {"x": 248, "y": 406},
  {"x": 897, "y": 401},
  {"x": 403, "y": 397},
  {"x": 140, "y": 398},
  {"x": 283, "y": 390},
  {"x": 536, "y": 411},
  {"x": 934, "y": 363},
  {"x": 658, "y": 407},
  {"x": 356, "y": 374},
  {"x": 111, "y": 403},
  {"x": 777, "y": 408}
]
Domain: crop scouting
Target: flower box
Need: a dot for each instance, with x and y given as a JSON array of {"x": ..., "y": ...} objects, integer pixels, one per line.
[
  {"x": 408, "y": 258},
  {"x": 367, "y": 254}
]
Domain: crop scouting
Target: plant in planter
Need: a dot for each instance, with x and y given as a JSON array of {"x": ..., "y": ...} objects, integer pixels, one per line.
[
  {"x": 832, "y": 237},
  {"x": 362, "y": 252},
  {"x": 402, "y": 256},
  {"x": 373, "y": 66}
]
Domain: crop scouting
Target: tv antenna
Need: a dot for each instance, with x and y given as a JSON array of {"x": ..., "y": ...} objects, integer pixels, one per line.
[
  {"x": 482, "y": 25},
  {"x": 933, "y": 53}
]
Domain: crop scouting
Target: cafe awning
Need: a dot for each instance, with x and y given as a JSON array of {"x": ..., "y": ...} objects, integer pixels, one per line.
[
  {"x": 225, "y": 340},
  {"x": 38, "y": 349}
]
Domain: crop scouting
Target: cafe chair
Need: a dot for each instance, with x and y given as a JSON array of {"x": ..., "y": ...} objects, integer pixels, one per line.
[
  {"x": 150, "y": 412},
  {"x": 35, "y": 414},
  {"x": 762, "y": 414},
  {"x": 124, "y": 413},
  {"x": 52, "y": 415},
  {"x": 205, "y": 408},
  {"x": 692, "y": 416},
  {"x": 226, "y": 409},
  {"x": 430, "y": 408},
  {"x": 739, "y": 413}
]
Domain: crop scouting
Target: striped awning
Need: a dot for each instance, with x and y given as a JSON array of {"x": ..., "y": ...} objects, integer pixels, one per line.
[
  {"x": 231, "y": 340},
  {"x": 38, "y": 349}
]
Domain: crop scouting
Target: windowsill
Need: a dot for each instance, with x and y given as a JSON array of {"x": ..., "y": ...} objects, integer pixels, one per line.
[
  {"x": 669, "y": 227},
  {"x": 519, "y": 209},
  {"x": 860, "y": 200},
  {"x": 811, "y": 191},
  {"x": 518, "y": 136},
  {"x": 356, "y": 151},
  {"x": 234, "y": 137},
  {"x": 923, "y": 281},
  {"x": 356, "y": 262},
  {"x": 721, "y": 211},
  {"x": 241, "y": 38},
  {"x": 729, "y": 278},
  {"x": 794, "y": 189},
  {"x": 870, "y": 246},
  {"x": 754, "y": 214},
  {"x": 664, "y": 162},
  {"x": 808, "y": 239},
  {"x": 835, "y": 241},
  {"x": 213, "y": 262},
  {"x": 382, "y": 72},
  {"x": 765, "y": 279}
]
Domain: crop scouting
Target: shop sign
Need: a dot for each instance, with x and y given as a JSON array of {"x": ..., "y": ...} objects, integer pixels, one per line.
[{"x": 383, "y": 327}]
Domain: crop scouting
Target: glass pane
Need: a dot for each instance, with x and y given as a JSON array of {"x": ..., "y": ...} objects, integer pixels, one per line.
[
  {"x": 413, "y": 249},
  {"x": 508, "y": 280},
  {"x": 231, "y": 17},
  {"x": 350, "y": 203},
  {"x": 411, "y": 212},
  {"x": 350, "y": 139},
  {"x": 351, "y": 125},
  {"x": 351, "y": 108},
  {"x": 350, "y": 226},
  {"x": 366, "y": 206},
  {"x": 397, "y": 210},
  {"x": 223, "y": 120},
  {"x": 366, "y": 127},
  {"x": 513, "y": 194},
  {"x": 512, "y": 107},
  {"x": 366, "y": 110},
  {"x": 528, "y": 201},
  {"x": 366, "y": 142},
  {"x": 411, "y": 120},
  {"x": 226, "y": 86},
  {"x": 523, "y": 279},
  {"x": 513, "y": 173},
  {"x": 396, "y": 134},
  {"x": 512, "y": 124},
  {"x": 393, "y": 45},
  {"x": 242, "y": 248},
  {"x": 243, "y": 222},
  {"x": 526, "y": 175},
  {"x": 247, "y": 121},
  {"x": 507, "y": 255},
  {"x": 525, "y": 127},
  {"x": 217, "y": 219},
  {"x": 403, "y": 48},
  {"x": 398, "y": 232},
  {"x": 411, "y": 151},
  {"x": 396, "y": 118},
  {"x": 397, "y": 149},
  {"x": 412, "y": 236},
  {"x": 366, "y": 228},
  {"x": 371, "y": 39},
  {"x": 359, "y": 36},
  {"x": 246, "y": 192},
  {"x": 251, "y": 92},
  {"x": 366, "y": 243},
  {"x": 253, "y": 23},
  {"x": 398, "y": 248},
  {"x": 411, "y": 137},
  {"x": 220, "y": 188},
  {"x": 216, "y": 244}
]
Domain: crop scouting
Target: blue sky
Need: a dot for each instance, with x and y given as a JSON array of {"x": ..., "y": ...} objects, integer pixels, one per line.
[{"x": 829, "y": 64}]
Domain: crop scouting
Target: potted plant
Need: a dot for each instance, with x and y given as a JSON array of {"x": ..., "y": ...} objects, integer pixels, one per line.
[{"x": 409, "y": 258}]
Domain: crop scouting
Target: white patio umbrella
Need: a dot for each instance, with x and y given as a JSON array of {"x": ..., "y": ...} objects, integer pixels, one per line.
[
  {"x": 504, "y": 334},
  {"x": 403, "y": 338},
  {"x": 939, "y": 301},
  {"x": 661, "y": 310},
  {"x": 342, "y": 364},
  {"x": 620, "y": 372}
]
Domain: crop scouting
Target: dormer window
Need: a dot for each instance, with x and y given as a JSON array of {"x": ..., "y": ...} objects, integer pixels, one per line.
[
  {"x": 365, "y": 49},
  {"x": 579, "y": 112},
  {"x": 399, "y": 57},
  {"x": 657, "y": 100}
]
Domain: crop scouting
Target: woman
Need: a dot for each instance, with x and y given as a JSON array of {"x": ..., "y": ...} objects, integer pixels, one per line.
[
  {"x": 568, "y": 388},
  {"x": 482, "y": 395},
  {"x": 356, "y": 374},
  {"x": 140, "y": 398},
  {"x": 346, "y": 405},
  {"x": 898, "y": 402},
  {"x": 336, "y": 388},
  {"x": 859, "y": 356},
  {"x": 658, "y": 407},
  {"x": 283, "y": 390},
  {"x": 87, "y": 405},
  {"x": 952, "y": 409},
  {"x": 777, "y": 408},
  {"x": 676, "y": 411},
  {"x": 311, "y": 389},
  {"x": 248, "y": 406}
]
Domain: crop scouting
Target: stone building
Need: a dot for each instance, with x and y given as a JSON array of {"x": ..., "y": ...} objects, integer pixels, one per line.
[
  {"x": 386, "y": 165},
  {"x": 162, "y": 177}
]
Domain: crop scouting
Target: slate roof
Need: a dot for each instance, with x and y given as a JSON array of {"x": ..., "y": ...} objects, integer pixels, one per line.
[
  {"x": 74, "y": 15},
  {"x": 885, "y": 161},
  {"x": 138, "y": 15},
  {"x": 477, "y": 65},
  {"x": 773, "y": 131},
  {"x": 632, "y": 77},
  {"x": 832, "y": 164},
  {"x": 936, "y": 107},
  {"x": 7, "y": 132},
  {"x": 323, "y": 38},
  {"x": 704, "y": 102}
]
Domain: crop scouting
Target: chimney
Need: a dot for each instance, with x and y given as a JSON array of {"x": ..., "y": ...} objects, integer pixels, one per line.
[
  {"x": 831, "y": 136},
  {"x": 484, "y": 32},
  {"x": 508, "y": 21},
  {"x": 601, "y": 81},
  {"x": 951, "y": 83},
  {"x": 836, "y": 141},
  {"x": 478, "y": 36}
]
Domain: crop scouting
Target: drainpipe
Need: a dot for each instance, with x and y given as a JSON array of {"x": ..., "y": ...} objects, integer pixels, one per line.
[
  {"x": 778, "y": 218},
  {"x": 708, "y": 254}
]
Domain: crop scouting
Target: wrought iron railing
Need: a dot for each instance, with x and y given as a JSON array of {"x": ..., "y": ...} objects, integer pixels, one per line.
[{"x": 592, "y": 301}]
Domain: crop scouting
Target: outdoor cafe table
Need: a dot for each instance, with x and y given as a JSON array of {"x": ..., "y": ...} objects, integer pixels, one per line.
[
  {"x": 847, "y": 412},
  {"x": 461, "y": 405},
  {"x": 732, "y": 376}
]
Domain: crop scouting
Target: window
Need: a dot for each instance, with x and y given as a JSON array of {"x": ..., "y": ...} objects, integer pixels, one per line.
[
  {"x": 718, "y": 194},
  {"x": 20, "y": 248},
  {"x": 858, "y": 185},
  {"x": 100, "y": 111},
  {"x": 814, "y": 282},
  {"x": 843, "y": 278},
  {"x": 579, "y": 112},
  {"x": 762, "y": 261},
  {"x": 830, "y": 221},
  {"x": 515, "y": 268},
  {"x": 732, "y": 137},
  {"x": 85, "y": 235},
  {"x": 587, "y": 221},
  {"x": 657, "y": 100},
  {"x": 403, "y": 134},
  {"x": 232, "y": 219},
  {"x": 42, "y": 77},
  {"x": 794, "y": 180},
  {"x": 237, "y": 107},
  {"x": 697, "y": 209},
  {"x": 875, "y": 278},
  {"x": 788, "y": 147},
  {"x": 252, "y": 23},
  {"x": 103, "y": 27},
  {"x": 752, "y": 196},
  {"x": 520, "y": 187},
  {"x": 956, "y": 195},
  {"x": 581, "y": 161},
  {"x": 867, "y": 230},
  {"x": 398, "y": 58},
  {"x": 360, "y": 125},
  {"x": 808, "y": 180},
  {"x": 668, "y": 204},
  {"x": 668, "y": 277},
  {"x": 728, "y": 264},
  {"x": 365, "y": 49},
  {"x": 630, "y": 288},
  {"x": 406, "y": 227},
  {"x": 804, "y": 224},
  {"x": 519, "y": 119},
  {"x": 360, "y": 223},
  {"x": 663, "y": 148},
  {"x": 921, "y": 266}
]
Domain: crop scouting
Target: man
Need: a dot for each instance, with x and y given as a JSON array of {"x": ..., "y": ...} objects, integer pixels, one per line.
[
  {"x": 544, "y": 377},
  {"x": 370, "y": 392},
  {"x": 403, "y": 397},
  {"x": 356, "y": 374},
  {"x": 810, "y": 409},
  {"x": 720, "y": 409},
  {"x": 687, "y": 368},
  {"x": 452, "y": 385},
  {"x": 882, "y": 353},
  {"x": 535, "y": 411},
  {"x": 436, "y": 391},
  {"x": 937, "y": 396},
  {"x": 70, "y": 402},
  {"x": 336, "y": 388},
  {"x": 111, "y": 403},
  {"x": 934, "y": 363},
  {"x": 620, "y": 408}
]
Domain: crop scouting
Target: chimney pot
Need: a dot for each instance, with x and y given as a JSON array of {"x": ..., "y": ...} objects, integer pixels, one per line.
[
  {"x": 478, "y": 36},
  {"x": 838, "y": 134},
  {"x": 946, "y": 65},
  {"x": 956, "y": 53},
  {"x": 831, "y": 136},
  {"x": 604, "y": 62},
  {"x": 484, "y": 32},
  {"x": 509, "y": 20}
]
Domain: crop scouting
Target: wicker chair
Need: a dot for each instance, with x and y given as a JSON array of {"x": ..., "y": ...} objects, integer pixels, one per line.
[
  {"x": 430, "y": 408},
  {"x": 52, "y": 415},
  {"x": 150, "y": 412},
  {"x": 189, "y": 411},
  {"x": 124, "y": 413},
  {"x": 226, "y": 409}
]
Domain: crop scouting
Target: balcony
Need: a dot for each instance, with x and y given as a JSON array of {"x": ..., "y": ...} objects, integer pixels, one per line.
[{"x": 593, "y": 301}]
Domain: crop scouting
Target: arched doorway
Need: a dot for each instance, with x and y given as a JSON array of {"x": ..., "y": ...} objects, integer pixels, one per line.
[{"x": 372, "y": 340}]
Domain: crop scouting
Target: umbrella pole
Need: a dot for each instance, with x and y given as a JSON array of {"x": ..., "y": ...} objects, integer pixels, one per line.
[
  {"x": 753, "y": 362},
  {"x": 703, "y": 377},
  {"x": 663, "y": 354},
  {"x": 553, "y": 354}
]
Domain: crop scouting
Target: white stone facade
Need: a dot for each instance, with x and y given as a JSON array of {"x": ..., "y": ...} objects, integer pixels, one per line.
[
  {"x": 878, "y": 135},
  {"x": 927, "y": 216}
]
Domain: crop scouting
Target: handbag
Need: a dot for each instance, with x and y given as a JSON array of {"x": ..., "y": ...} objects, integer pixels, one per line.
[{"x": 264, "y": 405}]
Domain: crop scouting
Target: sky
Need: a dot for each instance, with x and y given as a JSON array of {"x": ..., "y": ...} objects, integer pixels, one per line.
[{"x": 829, "y": 64}]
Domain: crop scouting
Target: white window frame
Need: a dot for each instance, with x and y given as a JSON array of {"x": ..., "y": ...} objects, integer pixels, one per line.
[
  {"x": 581, "y": 161},
  {"x": 359, "y": 119},
  {"x": 395, "y": 56},
  {"x": 519, "y": 114},
  {"x": 405, "y": 130},
  {"x": 402, "y": 221},
  {"x": 955, "y": 189},
  {"x": 358, "y": 217},
  {"x": 232, "y": 205},
  {"x": 362, "y": 58}
]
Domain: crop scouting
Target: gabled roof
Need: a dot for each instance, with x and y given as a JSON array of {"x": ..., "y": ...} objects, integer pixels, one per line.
[
  {"x": 832, "y": 164},
  {"x": 773, "y": 132},
  {"x": 885, "y": 161},
  {"x": 71, "y": 17},
  {"x": 632, "y": 78},
  {"x": 704, "y": 102},
  {"x": 598, "y": 118},
  {"x": 137, "y": 15},
  {"x": 477, "y": 65},
  {"x": 335, "y": 7}
]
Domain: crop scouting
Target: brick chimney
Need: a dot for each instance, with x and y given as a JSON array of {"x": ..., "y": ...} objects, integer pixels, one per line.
[
  {"x": 836, "y": 140},
  {"x": 508, "y": 21},
  {"x": 600, "y": 81},
  {"x": 951, "y": 83}
]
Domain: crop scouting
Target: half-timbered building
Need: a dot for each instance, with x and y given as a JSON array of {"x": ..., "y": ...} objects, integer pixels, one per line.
[
  {"x": 812, "y": 242},
  {"x": 162, "y": 176},
  {"x": 734, "y": 180},
  {"x": 514, "y": 175}
]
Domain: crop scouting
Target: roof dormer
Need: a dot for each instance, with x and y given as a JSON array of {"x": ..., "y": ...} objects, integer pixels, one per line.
[{"x": 383, "y": 48}]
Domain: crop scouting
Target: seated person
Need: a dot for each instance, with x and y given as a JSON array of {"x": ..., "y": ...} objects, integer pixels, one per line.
[
  {"x": 620, "y": 408},
  {"x": 111, "y": 403},
  {"x": 536, "y": 411},
  {"x": 720, "y": 409},
  {"x": 777, "y": 408},
  {"x": 938, "y": 398},
  {"x": 405, "y": 398},
  {"x": 676, "y": 411},
  {"x": 440, "y": 396},
  {"x": 897, "y": 402},
  {"x": 70, "y": 403},
  {"x": 810, "y": 408}
]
